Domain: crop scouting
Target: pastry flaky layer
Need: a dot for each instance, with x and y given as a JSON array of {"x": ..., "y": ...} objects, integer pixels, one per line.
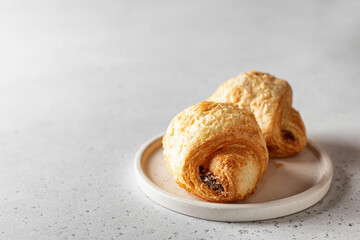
[
  {"x": 216, "y": 151},
  {"x": 270, "y": 100}
]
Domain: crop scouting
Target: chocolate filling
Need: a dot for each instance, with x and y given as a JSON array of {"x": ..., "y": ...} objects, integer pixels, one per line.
[
  {"x": 287, "y": 135},
  {"x": 210, "y": 180}
]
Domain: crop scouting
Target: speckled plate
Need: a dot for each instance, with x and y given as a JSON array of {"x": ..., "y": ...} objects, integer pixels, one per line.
[{"x": 290, "y": 185}]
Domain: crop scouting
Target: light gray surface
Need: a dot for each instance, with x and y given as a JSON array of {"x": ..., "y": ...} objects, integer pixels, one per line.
[{"x": 84, "y": 83}]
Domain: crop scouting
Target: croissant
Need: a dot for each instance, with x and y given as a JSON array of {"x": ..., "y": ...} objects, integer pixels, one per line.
[
  {"x": 270, "y": 100},
  {"x": 216, "y": 151}
]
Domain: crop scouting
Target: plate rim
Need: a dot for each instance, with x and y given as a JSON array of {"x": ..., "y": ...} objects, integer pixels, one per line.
[{"x": 169, "y": 200}]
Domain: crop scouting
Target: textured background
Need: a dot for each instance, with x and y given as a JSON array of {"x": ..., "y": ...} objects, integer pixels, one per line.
[{"x": 84, "y": 83}]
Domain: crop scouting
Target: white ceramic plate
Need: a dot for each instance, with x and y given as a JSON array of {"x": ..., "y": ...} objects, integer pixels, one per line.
[{"x": 290, "y": 185}]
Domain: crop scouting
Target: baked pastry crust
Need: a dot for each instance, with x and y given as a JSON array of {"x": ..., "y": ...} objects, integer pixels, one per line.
[
  {"x": 270, "y": 100},
  {"x": 216, "y": 151}
]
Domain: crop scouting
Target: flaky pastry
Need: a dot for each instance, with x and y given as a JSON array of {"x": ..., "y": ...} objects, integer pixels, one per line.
[
  {"x": 216, "y": 151},
  {"x": 270, "y": 100}
]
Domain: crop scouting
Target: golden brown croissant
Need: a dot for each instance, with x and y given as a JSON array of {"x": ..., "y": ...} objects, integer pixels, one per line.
[
  {"x": 216, "y": 151},
  {"x": 270, "y": 99}
]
